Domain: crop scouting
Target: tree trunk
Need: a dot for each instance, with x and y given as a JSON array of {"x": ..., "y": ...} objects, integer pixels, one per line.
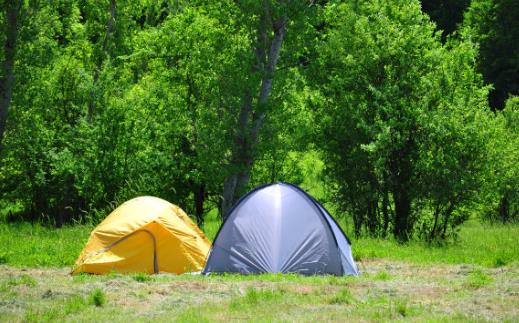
[
  {"x": 372, "y": 218},
  {"x": 402, "y": 229},
  {"x": 504, "y": 208},
  {"x": 400, "y": 166},
  {"x": 12, "y": 11},
  {"x": 64, "y": 208},
  {"x": 358, "y": 216},
  {"x": 432, "y": 234},
  {"x": 251, "y": 118},
  {"x": 199, "y": 198},
  {"x": 239, "y": 157},
  {"x": 447, "y": 215},
  {"x": 385, "y": 212},
  {"x": 104, "y": 54}
]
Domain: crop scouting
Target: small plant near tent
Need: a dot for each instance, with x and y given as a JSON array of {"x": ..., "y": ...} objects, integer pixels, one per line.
[
  {"x": 3, "y": 259},
  {"x": 75, "y": 305},
  {"x": 343, "y": 297},
  {"x": 142, "y": 277},
  {"x": 97, "y": 297},
  {"x": 255, "y": 296},
  {"x": 402, "y": 309},
  {"x": 382, "y": 275},
  {"x": 477, "y": 279},
  {"x": 500, "y": 261},
  {"x": 24, "y": 279},
  {"x": 49, "y": 315}
]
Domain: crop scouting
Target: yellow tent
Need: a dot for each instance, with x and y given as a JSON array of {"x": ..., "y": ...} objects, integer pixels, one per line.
[{"x": 145, "y": 234}]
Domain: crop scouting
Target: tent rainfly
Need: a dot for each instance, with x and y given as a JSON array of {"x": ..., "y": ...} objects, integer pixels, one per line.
[
  {"x": 279, "y": 228},
  {"x": 145, "y": 234}
]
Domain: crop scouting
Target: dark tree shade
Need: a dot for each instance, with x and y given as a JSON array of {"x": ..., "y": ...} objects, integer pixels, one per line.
[
  {"x": 495, "y": 25},
  {"x": 447, "y": 14},
  {"x": 500, "y": 53}
]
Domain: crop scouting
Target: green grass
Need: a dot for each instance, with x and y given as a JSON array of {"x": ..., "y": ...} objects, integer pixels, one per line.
[
  {"x": 382, "y": 275},
  {"x": 300, "y": 300},
  {"x": 477, "y": 279},
  {"x": 490, "y": 245},
  {"x": 253, "y": 297},
  {"x": 344, "y": 296},
  {"x": 212, "y": 224},
  {"x": 142, "y": 277},
  {"x": 386, "y": 291},
  {"x": 26, "y": 245},
  {"x": 24, "y": 279},
  {"x": 74, "y": 305},
  {"x": 399, "y": 282}
]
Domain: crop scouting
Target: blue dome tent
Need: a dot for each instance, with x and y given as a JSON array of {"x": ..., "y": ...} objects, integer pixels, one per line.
[{"x": 279, "y": 228}]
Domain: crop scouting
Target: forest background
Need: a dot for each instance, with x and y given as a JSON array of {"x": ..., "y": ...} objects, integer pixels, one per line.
[{"x": 398, "y": 115}]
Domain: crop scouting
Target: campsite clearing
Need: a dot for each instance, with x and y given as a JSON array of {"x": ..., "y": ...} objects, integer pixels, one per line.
[
  {"x": 386, "y": 290},
  {"x": 476, "y": 278}
]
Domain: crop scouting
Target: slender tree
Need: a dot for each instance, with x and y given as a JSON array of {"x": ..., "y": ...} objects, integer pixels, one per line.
[
  {"x": 274, "y": 19},
  {"x": 267, "y": 50},
  {"x": 11, "y": 25},
  {"x": 102, "y": 57}
]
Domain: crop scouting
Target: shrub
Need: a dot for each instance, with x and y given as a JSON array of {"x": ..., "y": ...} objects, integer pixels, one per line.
[{"x": 97, "y": 297}]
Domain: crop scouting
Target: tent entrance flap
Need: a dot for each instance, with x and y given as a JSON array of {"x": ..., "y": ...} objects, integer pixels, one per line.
[
  {"x": 135, "y": 252},
  {"x": 155, "y": 261}
]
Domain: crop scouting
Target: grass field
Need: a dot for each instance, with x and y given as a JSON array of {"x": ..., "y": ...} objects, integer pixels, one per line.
[
  {"x": 475, "y": 279},
  {"x": 25, "y": 245}
]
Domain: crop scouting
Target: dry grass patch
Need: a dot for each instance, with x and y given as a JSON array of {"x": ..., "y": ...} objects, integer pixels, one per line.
[{"x": 385, "y": 291}]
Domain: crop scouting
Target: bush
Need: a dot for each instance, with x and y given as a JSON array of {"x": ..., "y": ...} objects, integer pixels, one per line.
[
  {"x": 404, "y": 131},
  {"x": 97, "y": 297}
]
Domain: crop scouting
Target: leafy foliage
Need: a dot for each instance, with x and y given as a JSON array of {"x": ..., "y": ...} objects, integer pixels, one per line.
[
  {"x": 362, "y": 103},
  {"x": 401, "y": 130},
  {"x": 502, "y": 187}
]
